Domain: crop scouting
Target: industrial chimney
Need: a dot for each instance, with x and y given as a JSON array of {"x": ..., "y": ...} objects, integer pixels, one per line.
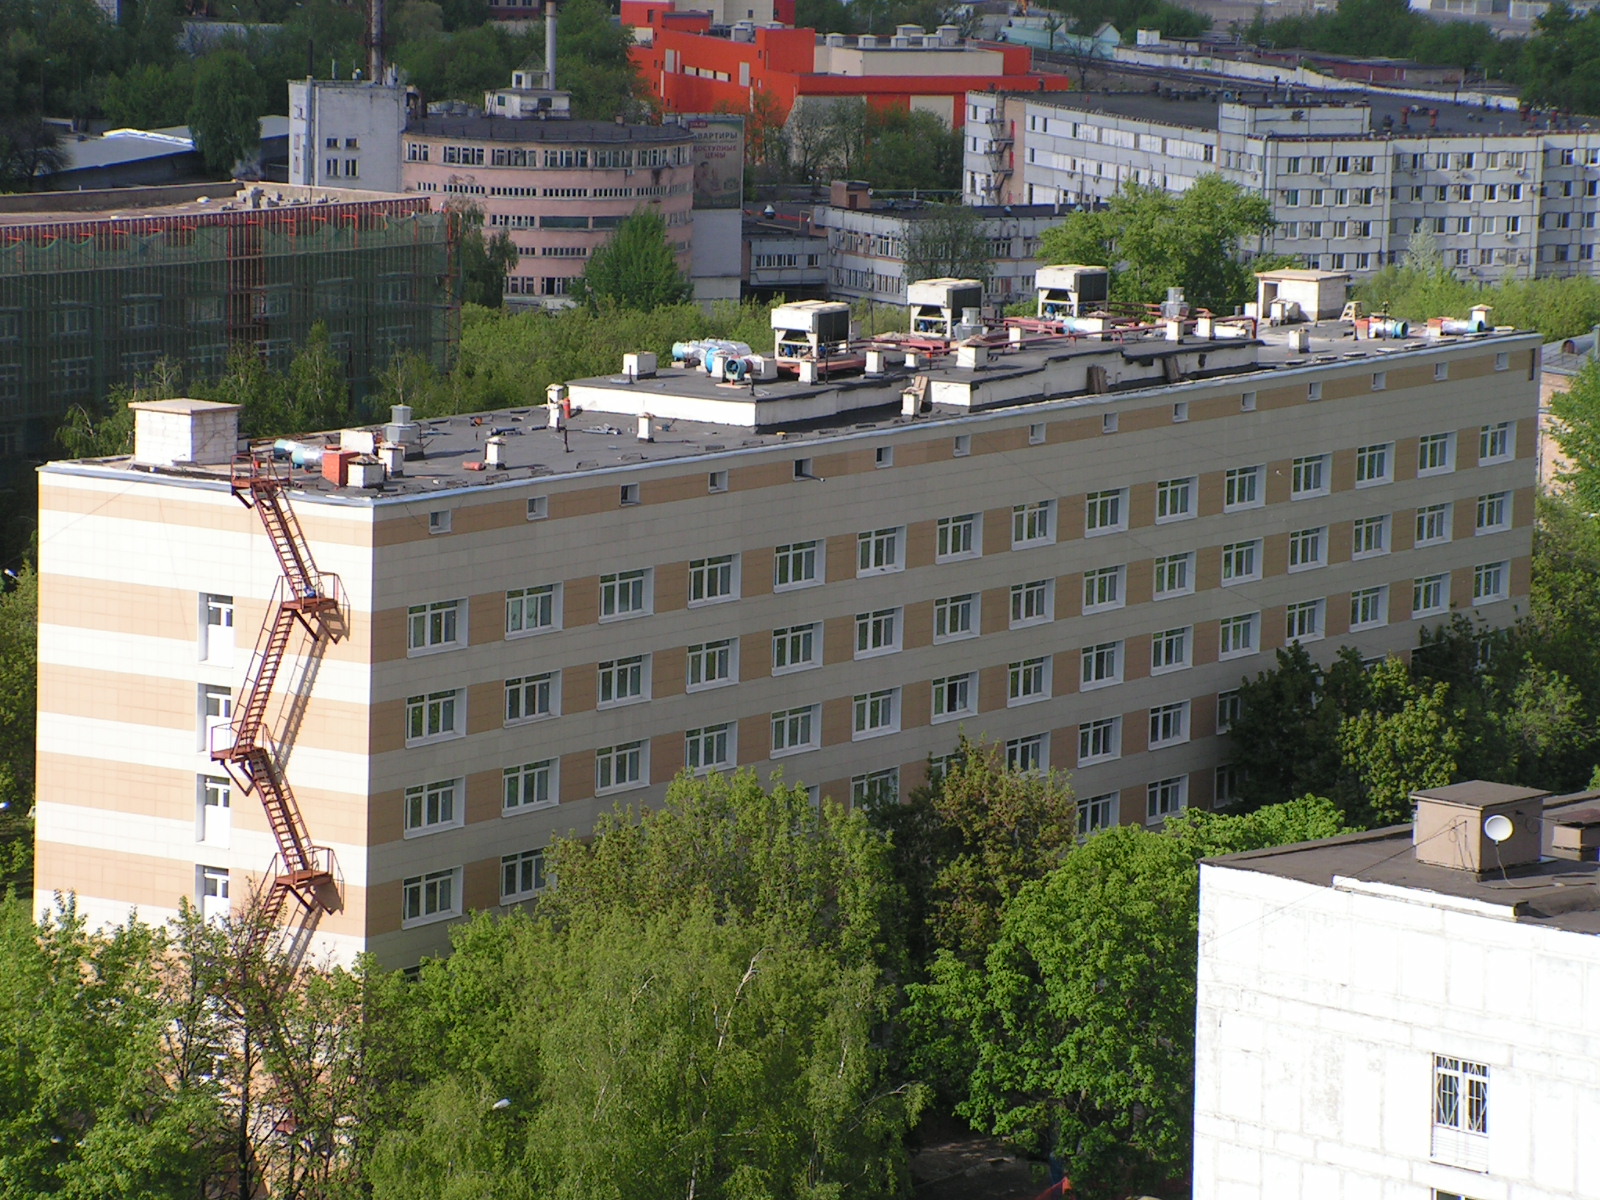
[
  {"x": 375, "y": 40},
  {"x": 550, "y": 44}
]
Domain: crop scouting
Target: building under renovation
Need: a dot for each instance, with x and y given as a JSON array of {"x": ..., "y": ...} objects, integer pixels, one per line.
[{"x": 97, "y": 288}]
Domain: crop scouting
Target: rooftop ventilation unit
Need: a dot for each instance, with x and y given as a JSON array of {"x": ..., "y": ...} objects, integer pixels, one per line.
[
  {"x": 1478, "y": 826},
  {"x": 937, "y": 305},
  {"x": 1067, "y": 291}
]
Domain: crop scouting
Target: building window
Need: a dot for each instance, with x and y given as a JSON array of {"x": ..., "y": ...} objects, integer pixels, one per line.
[
  {"x": 796, "y": 565},
  {"x": 710, "y": 748},
  {"x": 538, "y": 508},
  {"x": 878, "y": 551},
  {"x": 1237, "y": 635},
  {"x": 434, "y": 716},
  {"x": 1309, "y": 476},
  {"x": 1380, "y": 380},
  {"x": 217, "y": 646},
  {"x": 1027, "y": 754},
  {"x": 435, "y": 626},
  {"x": 1226, "y": 786},
  {"x": 439, "y": 521},
  {"x": 1370, "y": 536},
  {"x": 1433, "y": 524},
  {"x": 1180, "y": 412},
  {"x": 1169, "y": 650},
  {"x": 216, "y": 810},
  {"x": 1242, "y": 488},
  {"x": 957, "y": 537},
  {"x": 622, "y": 680},
  {"x": 952, "y": 618},
  {"x": 430, "y": 897},
  {"x": 712, "y": 580},
  {"x": 1489, "y": 582},
  {"x": 1441, "y": 371},
  {"x": 521, "y": 875},
  {"x": 1174, "y": 575},
  {"x": 1229, "y": 705},
  {"x": 1102, "y": 589},
  {"x": 1247, "y": 402},
  {"x": 876, "y": 713},
  {"x": 1169, "y": 724},
  {"x": 1429, "y": 595},
  {"x": 1036, "y": 435},
  {"x": 1502, "y": 360},
  {"x": 877, "y": 632},
  {"x": 625, "y": 594},
  {"x": 1460, "y": 1113},
  {"x": 1108, "y": 423},
  {"x": 1305, "y": 548},
  {"x": 1096, "y": 813},
  {"x": 433, "y": 806},
  {"x": 1373, "y": 464},
  {"x": 963, "y": 445},
  {"x": 794, "y": 730},
  {"x": 1304, "y": 621},
  {"x": 1494, "y": 512},
  {"x": 533, "y": 609},
  {"x": 1174, "y": 499},
  {"x": 954, "y": 696},
  {"x": 1106, "y": 512},
  {"x": 717, "y": 481},
  {"x": 1027, "y": 681},
  {"x": 628, "y": 494},
  {"x": 1495, "y": 442},
  {"x": 1099, "y": 741},
  {"x": 1369, "y": 608},
  {"x": 875, "y": 787},
  {"x": 1102, "y": 664},
  {"x": 710, "y": 664},
  {"x": 529, "y": 786},
  {"x": 802, "y": 469},
  {"x": 883, "y": 456},
  {"x": 1031, "y": 602},
  {"x": 1314, "y": 390},
  {"x": 1166, "y": 797},
  {"x": 531, "y": 697},
  {"x": 1031, "y": 524},
  {"x": 621, "y": 766},
  {"x": 1241, "y": 561},
  {"x": 795, "y": 648},
  {"x": 1436, "y": 454}
]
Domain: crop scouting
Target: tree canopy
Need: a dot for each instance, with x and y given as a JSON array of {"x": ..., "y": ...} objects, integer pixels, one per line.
[
  {"x": 226, "y": 109},
  {"x": 636, "y": 268}
]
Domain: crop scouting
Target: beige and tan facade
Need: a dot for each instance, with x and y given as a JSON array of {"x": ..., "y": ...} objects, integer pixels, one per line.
[{"x": 1084, "y": 579}]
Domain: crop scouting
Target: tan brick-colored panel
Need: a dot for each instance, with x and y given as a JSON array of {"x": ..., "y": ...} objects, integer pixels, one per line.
[
  {"x": 916, "y": 704},
  {"x": 1342, "y": 473},
  {"x": 1064, "y": 671},
  {"x": 848, "y": 462},
  {"x": 993, "y": 687},
  {"x": 486, "y": 618},
  {"x": 580, "y": 687},
  {"x": 577, "y": 776},
  {"x": 1071, "y": 513},
  {"x": 771, "y": 474},
  {"x": 918, "y": 631},
  {"x": 1204, "y": 642},
  {"x": 1064, "y": 748},
  {"x": 1280, "y": 477},
  {"x": 1273, "y": 631},
  {"x": 671, "y": 587},
  {"x": 921, "y": 543},
  {"x": 1202, "y": 789},
  {"x": 1212, "y": 492},
  {"x": 1141, "y": 581},
  {"x": 837, "y": 790},
  {"x": 1275, "y": 554},
  {"x": 1403, "y": 530},
  {"x": 1341, "y": 542},
  {"x": 1401, "y": 378},
  {"x": 841, "y": 557},
  {"x": 1461, "y": 588},
  {"x": 1208, "y": 568},
  {"x": 1346, "y": 387},
  {"x": 1522, "y": 507},
  {"x": 1521, "y": 575},
  {"x": 756, "y": 570},
  {"x": 1527, "y": 437},
  {"x": 1203, "y": 716},
  {"x": 755, "y": 738},
  {"x": 480, "y": 884},
  {"x": 668, "y": 671},
  {"x": 666, "y": 757},
  {"x": 1002, "y": 441},
  {"x": 838, "y": 716},
  {"x": 1405, "y": 458},
  {"x": 486, "y": 706},
  {"x": 755, "y": 655},
  {"x": 168, "y": 507},
  {"x": 585, "y": 502},
  {"x": 1338, "y": 615},
  {"x": 1135, "y": 732},
  {"x": 1136, "y": 657},
  {"x": 997, "y": 530},
  {"x": 838, "y": 640},
  {"x": 1279, "y": 397},
  {"x": 688, "y": 486},
  {"x": 995, "y": 616},
  {"x": 580, "y": 601},
  {"x": 1069, "y": 596},
  {"x": 1141, "y": 505},
  {"x": 390, "y": 638}
]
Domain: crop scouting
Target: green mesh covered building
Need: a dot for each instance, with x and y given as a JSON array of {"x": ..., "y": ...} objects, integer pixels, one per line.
[{"x": 97, "y": 288}]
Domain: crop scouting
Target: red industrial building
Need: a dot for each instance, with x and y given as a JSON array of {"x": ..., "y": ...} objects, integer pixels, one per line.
[{"x": 693, "y": 69}]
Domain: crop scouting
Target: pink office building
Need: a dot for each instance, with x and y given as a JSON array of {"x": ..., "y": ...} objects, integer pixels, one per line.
[{"x": 560, "y": 187}]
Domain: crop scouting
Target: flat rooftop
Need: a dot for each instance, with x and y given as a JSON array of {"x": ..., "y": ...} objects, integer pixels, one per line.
[
  {"x": 1559, "y": 893},
  {"x": 53, "y": 208},
  {"x": 603, "y": 439},
  {"x": 1195, "y": 103},
  {"x": 532, "y": 129}
]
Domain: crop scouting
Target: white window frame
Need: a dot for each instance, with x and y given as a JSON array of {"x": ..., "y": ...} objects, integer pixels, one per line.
[
  {"x": 1460, "y": 1110},
  {"x": 948, "y": 606},
  {"x": 1097, "y": 812},
  {"x": 1169, "y": 724},
  {"x": 1033, "y": 524},
  {"x": 608, "y": 759},
  {"x": 881, "y": 551},
  {"x": 1028, "y": 754},
  {"x": 1434, "y": 588},
  {"x": 1369, "y": 607},
  {"x": 807, "y": 718},
  {"x": 217, "y": 616},
  {"x": 1028, "y": 681},
  {"x": 1104, "y": 589},
  {"x": 542, "y": 686},
  {"x": 439, "y": 521},
  {"x": 1308, "y": 477},
  {"x": 1105, "y": 512},
  {"x": 618, "y": 586},
  {"x": 1239, "y": 635},
  {"x": 431, "y": 897},
  {"x": 1229, "y": 704},
  {"x": 1433, "y": 524},
  {"x": 430, "y": 807},
  {"x": 1436, "y": 454},
  {"x": 875, "y": 714},
  {"x": 1375, "y": 464},
  {"x": 1497, "y": 443},
  {"x": 703, "y": 659},
  {"x": 1361, "y": 541},
  {"x": 622, "y": 681},
  {"x": 1175, "y": 499},
  {"x": 538, "y": 508},
  {"x": 1166, "y": 798},
  {"x": 711, "y": 747},
  {"x": 793, "y": 638},
  {"x": 1099, "y": 741},
  {"x": 879, "y": 632},
  {"x": 1491, "y": 582},
  {"x": 1166, "y": 566},
  {"x": 428, "y": 712},
  {"x": 1308, "y": 548},
  {"x": 1305, "y": 621},
  {"x": 1241, "y": 562},
  {"x": 525, "y": 780},
  {"x": 1036, "y": 434},
  {"x": 958, "y": 537},
  {"x": 1093, "y": 675},
  {"x": 435, "y": 627},
  {"x": 875, "y": 787},
  {"x": 1032, "y": 603},
  {"x": 713, "y": 580},
  {"x": 519, "y": 867},
  {"x": 1493, "y": 513},
  {"x": 794, "y": 555},
  {"x": 1242, "y": 489},
  {"x": 1170, "y": 650},
  {"x": 541, "y": 600},
  {"x": 954, "y": 697}
]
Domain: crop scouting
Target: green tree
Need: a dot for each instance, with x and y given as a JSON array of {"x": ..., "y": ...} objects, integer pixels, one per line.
[
  {"x": 947, "y": 241},
  {"x": 485, "y": 262},
  {"x": 1154, "y": 240},
  {"x": 30, "y": 149},
  {"x": 225, "y": 113},
  {"x": 1401, "y": 742},
  {"x": 150, "y": 95},
  {"x": 1575, "y": 425},
  {"x": 19, "y": 618},
  {"x": 635, "y": 268},
  {"x": 1560, "y": 63}
]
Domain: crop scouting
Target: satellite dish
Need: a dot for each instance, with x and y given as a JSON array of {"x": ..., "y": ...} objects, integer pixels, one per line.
[{"x": 1498, "y": 828}]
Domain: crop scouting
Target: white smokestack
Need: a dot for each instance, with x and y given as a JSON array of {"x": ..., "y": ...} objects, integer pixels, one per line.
[{"x": 550, "y": 43}]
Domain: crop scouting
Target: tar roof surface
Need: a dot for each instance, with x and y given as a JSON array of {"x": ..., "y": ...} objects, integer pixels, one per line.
[
  {"x": 1555, "y": 892},
  {"x": 529, "y": 129}
]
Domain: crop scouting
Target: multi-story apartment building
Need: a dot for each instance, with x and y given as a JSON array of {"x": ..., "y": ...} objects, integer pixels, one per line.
[
  {"x": 1074, "y": 547},
  {"x": 341, "y": 130},
  {"x": 1405, "y": 1012},
  {"x": 559, "y": 187},
  {"x": 1350, "y": 182}
]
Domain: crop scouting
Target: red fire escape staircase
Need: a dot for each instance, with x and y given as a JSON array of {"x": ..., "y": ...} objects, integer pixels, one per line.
[{"x": 305, "y": 597}]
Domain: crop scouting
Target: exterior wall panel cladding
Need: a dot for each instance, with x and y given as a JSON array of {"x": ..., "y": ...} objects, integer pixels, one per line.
[{"x": 101, "y": 526}]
